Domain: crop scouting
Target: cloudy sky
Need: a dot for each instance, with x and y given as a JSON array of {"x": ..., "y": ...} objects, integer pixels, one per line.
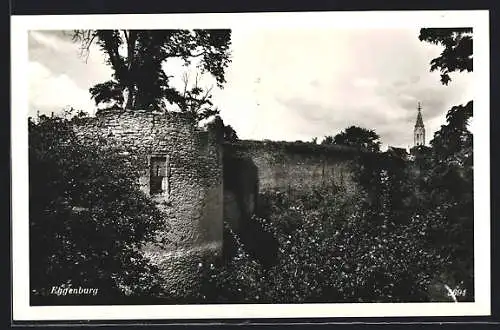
[{"x": 285, "y": 84}]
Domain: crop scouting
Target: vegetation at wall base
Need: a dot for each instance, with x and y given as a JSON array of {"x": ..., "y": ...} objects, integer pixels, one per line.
[
  {"x": 88, "y": 218},
  {"x": 333, "y": 250}
]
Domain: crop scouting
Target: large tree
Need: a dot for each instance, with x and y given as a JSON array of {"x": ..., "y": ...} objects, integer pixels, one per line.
[
  {"x": 448, "y": 181},
  {"x": 457, "y": 52},
  {"x": 358, "y": 137},
  {"x": 137, "y": 58}
]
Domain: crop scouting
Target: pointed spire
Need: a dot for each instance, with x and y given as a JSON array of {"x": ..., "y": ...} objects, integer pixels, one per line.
[{"x": 420, "y": 122}]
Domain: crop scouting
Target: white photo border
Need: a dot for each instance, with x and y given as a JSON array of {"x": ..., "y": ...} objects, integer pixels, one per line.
[{"x": 20, "y": 25}]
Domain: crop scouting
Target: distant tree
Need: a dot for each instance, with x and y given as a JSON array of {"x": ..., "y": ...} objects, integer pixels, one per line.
[
  {"x": 457, "y": 52},
  {"x": 358, "y": 137},
  {"x": 327, "y": 140},
  {"x": 454, "y": 138},
  {"x": 70, "y": 113},
  {"x": 139, "y": 80},
  {"x": 314, "y": 140}
]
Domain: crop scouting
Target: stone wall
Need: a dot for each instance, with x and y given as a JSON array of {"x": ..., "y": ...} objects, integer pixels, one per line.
[
  {"x": 201, "y": 181},
  {"x": 190, "y": 191},
  {"x": 253, "y": 167},
  {"x": 295, "y": 165}
]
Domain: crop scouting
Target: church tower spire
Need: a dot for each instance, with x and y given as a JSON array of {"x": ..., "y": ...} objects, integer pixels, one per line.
[{"x": 419, "y": 130}]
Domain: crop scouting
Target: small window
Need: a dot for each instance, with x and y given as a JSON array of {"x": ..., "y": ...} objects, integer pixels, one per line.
[{"x": 158, "y": 175}]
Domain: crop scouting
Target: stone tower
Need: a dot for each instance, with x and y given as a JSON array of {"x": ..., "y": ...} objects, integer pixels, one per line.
[
  {"x": 180, "y": 170},
  {"x": 419, "y": 130}
]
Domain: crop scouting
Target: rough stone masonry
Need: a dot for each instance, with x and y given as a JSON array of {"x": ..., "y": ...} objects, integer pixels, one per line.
[
  {"x": 182, "y": 173},
  {"x": 198, "y": 182}
]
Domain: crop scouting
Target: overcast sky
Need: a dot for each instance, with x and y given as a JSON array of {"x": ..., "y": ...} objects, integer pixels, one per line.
[{"x": 286, "y": 84}]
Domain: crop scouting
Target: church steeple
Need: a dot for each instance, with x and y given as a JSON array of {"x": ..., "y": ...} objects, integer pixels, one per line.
[
  {"x": 419, "y": 131},
  {"x": 420, "y": 122}
]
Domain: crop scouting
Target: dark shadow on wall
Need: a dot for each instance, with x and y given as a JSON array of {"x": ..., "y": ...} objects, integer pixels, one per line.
[{"x": 241, "y": 191}]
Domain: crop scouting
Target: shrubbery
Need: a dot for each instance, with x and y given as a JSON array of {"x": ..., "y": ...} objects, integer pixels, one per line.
[
  {"x": 88, "y": 217},
  {"x": 332, "y": 250}
]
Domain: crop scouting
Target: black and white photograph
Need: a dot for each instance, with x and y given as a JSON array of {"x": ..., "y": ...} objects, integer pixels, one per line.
[{"x": 250, "y": 162}]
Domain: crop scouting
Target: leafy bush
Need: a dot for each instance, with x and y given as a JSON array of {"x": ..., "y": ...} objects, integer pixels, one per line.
[
  {"x": 238, "y": 278},
  {"x": 88, "y": 218},
  {"x": 449, "y": 187},
  {"x": 344, "y": 252},
  {"x": 330, "y": 250}
]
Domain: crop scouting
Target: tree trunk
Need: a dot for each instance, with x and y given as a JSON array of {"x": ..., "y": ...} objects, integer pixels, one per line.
[
  {"x": 131, "y": 97},
  {"x": 131, "y": 38}
]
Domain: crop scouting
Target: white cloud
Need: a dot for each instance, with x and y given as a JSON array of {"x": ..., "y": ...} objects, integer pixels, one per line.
[
  {"x": 364, "y": 82},
  {"x": 50, "y": 92},
  {"x": 51, "y": 41},
  {"x": 62, "y": 57}
]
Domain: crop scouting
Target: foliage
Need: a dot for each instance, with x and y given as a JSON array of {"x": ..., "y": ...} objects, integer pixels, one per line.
[
  {"x": 448, "y": 175},
  {"x": 327, "y": 140},
  {"x": 457, "y": 52},
  {"x": 437, "y": 184},
  {"x": 356, "y": 137},
  {"x": 386, "y": 182},
  {"x": 450, "y": 183},
  {"x": 230, "y": 134},
  {"x": 296, "y": 147},
  {"x": 238, "y": 278},
  {"x": 139, "y": 73},
  {"x": 109, "y": 91},
  {"x": 88, "y": 218},
  {"x": 453, "y": 142},
  {"x": 196, "y": 100},
  {"x": 332, "y": 248}
]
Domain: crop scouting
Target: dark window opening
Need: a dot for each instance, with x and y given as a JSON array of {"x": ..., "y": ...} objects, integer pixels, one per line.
[{"x": 158, "y": 173}]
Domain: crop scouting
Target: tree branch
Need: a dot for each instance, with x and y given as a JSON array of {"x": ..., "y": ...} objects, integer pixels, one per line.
[
  {"x": 185, "y": 55},
  {"x": 86, "y": 38}
]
